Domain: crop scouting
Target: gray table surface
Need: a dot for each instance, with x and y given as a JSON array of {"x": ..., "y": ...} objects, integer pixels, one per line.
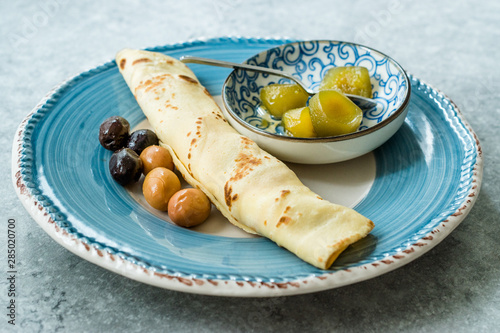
[{"x": 453, "y": 45}]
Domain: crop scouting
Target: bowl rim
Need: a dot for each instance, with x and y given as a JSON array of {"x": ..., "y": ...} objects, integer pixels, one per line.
[{"x": 336, "y": 138}]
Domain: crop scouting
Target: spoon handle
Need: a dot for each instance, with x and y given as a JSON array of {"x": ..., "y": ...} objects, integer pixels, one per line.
[
  {"x": 265, "y": 70},
  {"x": 362, "y": 102}
]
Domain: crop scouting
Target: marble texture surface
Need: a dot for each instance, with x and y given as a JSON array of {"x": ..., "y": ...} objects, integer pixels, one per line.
[{"x": 450, "y": 44}]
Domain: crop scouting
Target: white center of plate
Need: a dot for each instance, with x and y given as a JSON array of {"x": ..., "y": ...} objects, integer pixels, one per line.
[{"x": 345, "y": 183}]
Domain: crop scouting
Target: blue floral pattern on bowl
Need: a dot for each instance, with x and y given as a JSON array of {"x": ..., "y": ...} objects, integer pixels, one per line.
[{"x": 309, "y": 61}]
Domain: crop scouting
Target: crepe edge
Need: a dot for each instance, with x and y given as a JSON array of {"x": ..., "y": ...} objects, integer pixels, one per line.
[{"x": 345, "y": 243}]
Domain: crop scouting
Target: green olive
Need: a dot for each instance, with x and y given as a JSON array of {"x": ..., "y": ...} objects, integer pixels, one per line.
[
  {"x": 159, "y": 186},
  {"x": 154, "y": 157},
  {"x": 189, "y": 207}
]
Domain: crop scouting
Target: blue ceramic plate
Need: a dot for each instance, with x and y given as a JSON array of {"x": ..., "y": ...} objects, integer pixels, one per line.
[{"x": 426, "y": 179}]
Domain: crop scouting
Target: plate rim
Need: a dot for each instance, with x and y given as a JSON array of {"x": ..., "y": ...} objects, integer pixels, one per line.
[{"x": 141, "y": 272}]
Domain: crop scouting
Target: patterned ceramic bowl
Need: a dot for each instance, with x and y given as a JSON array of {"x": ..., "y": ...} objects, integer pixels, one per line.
[{"x": 309, "y": 61}]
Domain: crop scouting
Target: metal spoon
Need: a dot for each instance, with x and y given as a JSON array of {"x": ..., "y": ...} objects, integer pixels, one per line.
[{"x": 362, "y": 102}]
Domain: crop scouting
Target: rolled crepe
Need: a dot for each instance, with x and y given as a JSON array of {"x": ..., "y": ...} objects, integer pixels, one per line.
[{"x": 254, "y": 190}]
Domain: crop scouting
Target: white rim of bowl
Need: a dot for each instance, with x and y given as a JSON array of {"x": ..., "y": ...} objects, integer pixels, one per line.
[{"x": 344, "y": 137}]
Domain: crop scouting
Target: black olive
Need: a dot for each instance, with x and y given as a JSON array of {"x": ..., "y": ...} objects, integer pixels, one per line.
[
  {"x": 141, "y": 139},
  {"x": 125, "y": 166},
  {"x": 114, "y": 133}
]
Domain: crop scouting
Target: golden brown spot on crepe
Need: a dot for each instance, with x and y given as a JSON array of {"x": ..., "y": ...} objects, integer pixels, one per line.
[
  {"x": 157, "y": 97},
  {"x": 187, "y": 78},
  {"x": 320, "y": 198},
  {"x": 217, "y": 115},
  {"x": 171, "y": 106},
  {"x": 283, "y": 220},
  {"x": 287, "y": 209},
  {"x": 371, "y": 224},
  {"x": 193, "y": 142},
  {"x": 154, "y": 85},
  {"x": 169, "y": 61},
  {"x": 267, "y": 157},
  {"x": 320, "y": 259},
  {"x": 339, "y": 243},
  {"x": 142, "y": 85},
  {"x": 141, "y": 60},
  {"x": 245, "y": 163},
  {"x": 246, "y": 142},
  {"x": 189, "y": 134},
  {"x": 227, "y": 195},
  {"x": 205, "y": 90},
  {"x": 122, "y": 63},
  {"x": 284, "y": 193},
  {"x": 265, "y": 222},
  {"x": 235, "y": 197},
  {"x": 189, "y": 155}
]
